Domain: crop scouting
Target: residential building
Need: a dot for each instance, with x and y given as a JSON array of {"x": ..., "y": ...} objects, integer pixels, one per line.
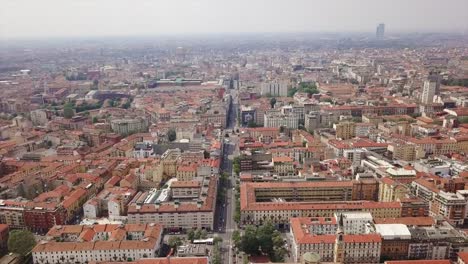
[
  {"x": 99, "y": 243},
  {"x": 345, "y": 130},
  {"x": 129, "y": 126},
  {"x": 336, "y": 248},
  {"x": 176, "y": 213},
  {"x": 276, "y": 88}
]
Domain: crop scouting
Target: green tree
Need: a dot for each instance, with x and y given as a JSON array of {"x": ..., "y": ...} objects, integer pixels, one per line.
[
  {"x": 95, "y": 119},
  {"x": 272, "y": 102},
  {"x": 175, "y": 242},
  {"x": 264, "y": 239},
  {"x": 249, "y": 241},
  {"x": 216, "y": 255},
  {"x": 236, "y": 237},
  {"x": 68, "y": 111},
  {"x": 292, "y": 92},
  {"x": 217, "y": 240},
  {"x": 171, "y": 135},
  {"x": 95, "y": 84},
  {"x": 21, "y": 242},
  {"x": 197, "y": 234},
  {"x": 126, "y": 105},
  {"x": 203, "y": 234},
  {"x": 191, "y": 235},
  {"x": 463, "y": 120}
]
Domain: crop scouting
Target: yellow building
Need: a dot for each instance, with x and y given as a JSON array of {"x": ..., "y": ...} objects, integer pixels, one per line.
[
  {"x": 283, "y": 166},
  {"x": 391, "y": 191},
  {"x": 462, "y": 143},
  {"x": 186, "y": 172},
  {"x": 345, "y": 130}
]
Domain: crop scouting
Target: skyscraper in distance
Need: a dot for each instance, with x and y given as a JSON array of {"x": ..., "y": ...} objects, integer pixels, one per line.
[{"x": 380, "y": 32}]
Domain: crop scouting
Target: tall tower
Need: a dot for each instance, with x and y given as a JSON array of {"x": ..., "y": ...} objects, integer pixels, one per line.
[
  {"x": 339, "y": 254},
  {"x": 380, "y": 32},
  {"x": 431, "y": 88}
]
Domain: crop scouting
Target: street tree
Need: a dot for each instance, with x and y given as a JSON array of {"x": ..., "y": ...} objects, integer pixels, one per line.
[
  {"x": 272, "y": 102},
  {"x": 21, "y": 242},
  {"x": 68, "y": 111},
  {"x": 171, "y": 135}
]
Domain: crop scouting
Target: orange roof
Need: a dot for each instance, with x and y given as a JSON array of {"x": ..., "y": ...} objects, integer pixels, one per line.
[
  {"x": 75, "y": 196},
  {"x": 174, "y": 260},
  {"x": 282, "y": 159},
  {"x": 185, "y": 184},
  {"x": 463, "y": 256},
  {"x": 365, "y": 238},
  {"x": 425, "y": 261}
]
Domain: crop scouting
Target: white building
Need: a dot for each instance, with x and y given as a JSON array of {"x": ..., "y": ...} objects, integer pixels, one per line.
[
  {"x": 274, "y": 89},
  {"x": 277, "y": 119},
  {"x": 355, "y": 222},
  {"x": 430, "y": 89},
  {"x": 40, "y": 117},
  {"x": 393, "y": 231},
  {"x": 129, "y": 126},
  {"x": 433, "y": 166}
]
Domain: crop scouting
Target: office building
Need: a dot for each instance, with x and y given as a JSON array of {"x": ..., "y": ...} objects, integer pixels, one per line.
[
  {"x": 380, "y": 32},
  {"x": 431, "y": 88}
]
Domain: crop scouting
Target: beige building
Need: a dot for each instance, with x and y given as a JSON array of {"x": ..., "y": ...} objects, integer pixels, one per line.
[
  {"x": 177, "y": 213},
  {"x": 345, "y": 130},
  {"x": 406, "y": 151},
  {"x": 82, "y": 244},
  {"x": 12, "y": 213},
  {"x": 129, "y": 126},
  {"x": 186, "y": 172},
  {"x": 391, "y": 190},
  {"x": 283, "y": 166},
  {"x": 305, "y": 199},
  {"x": 338, "y": 247}
]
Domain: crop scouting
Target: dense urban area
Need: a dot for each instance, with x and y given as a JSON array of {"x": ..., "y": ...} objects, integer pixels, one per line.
[{"x": 290, "y": 148}]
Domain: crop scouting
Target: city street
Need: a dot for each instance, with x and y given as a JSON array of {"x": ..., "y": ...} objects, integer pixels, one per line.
[{"x": 225, "y": 224}]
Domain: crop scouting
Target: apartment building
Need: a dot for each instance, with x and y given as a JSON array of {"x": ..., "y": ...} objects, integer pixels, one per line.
[
  {"x": 275, "y": 118},
  {"x": 403, "y": 150},
  {"x": 395, "y": 240},
  {"x": 337, "y": 247},
  {"x": 280, "y": 201},
  {"x": 354, "y": 222},
  {"x": 345, "y": 130},
  {"x": 391, "y": 190},
  {"x": 129, "y": 126},
  {"x": 157, "y": 206},
  {"x": 452, "y": 206},
  {"x": 312, "y": 121},
  {"x": 275, "y": 88},
  {"x": 283, "y": 166},
  {"x": 110, "y": 202},
  {"x": 82, "y": 244}
]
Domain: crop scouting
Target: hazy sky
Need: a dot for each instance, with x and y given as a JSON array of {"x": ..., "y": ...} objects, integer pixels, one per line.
[{"x": 32, "y": 18}]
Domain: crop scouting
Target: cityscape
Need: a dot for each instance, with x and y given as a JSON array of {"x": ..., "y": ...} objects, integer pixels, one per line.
[{"x": 274, "y": 137}]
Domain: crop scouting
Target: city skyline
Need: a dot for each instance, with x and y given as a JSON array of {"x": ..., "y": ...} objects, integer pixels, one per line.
[{"x": 51, "y": 18}]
